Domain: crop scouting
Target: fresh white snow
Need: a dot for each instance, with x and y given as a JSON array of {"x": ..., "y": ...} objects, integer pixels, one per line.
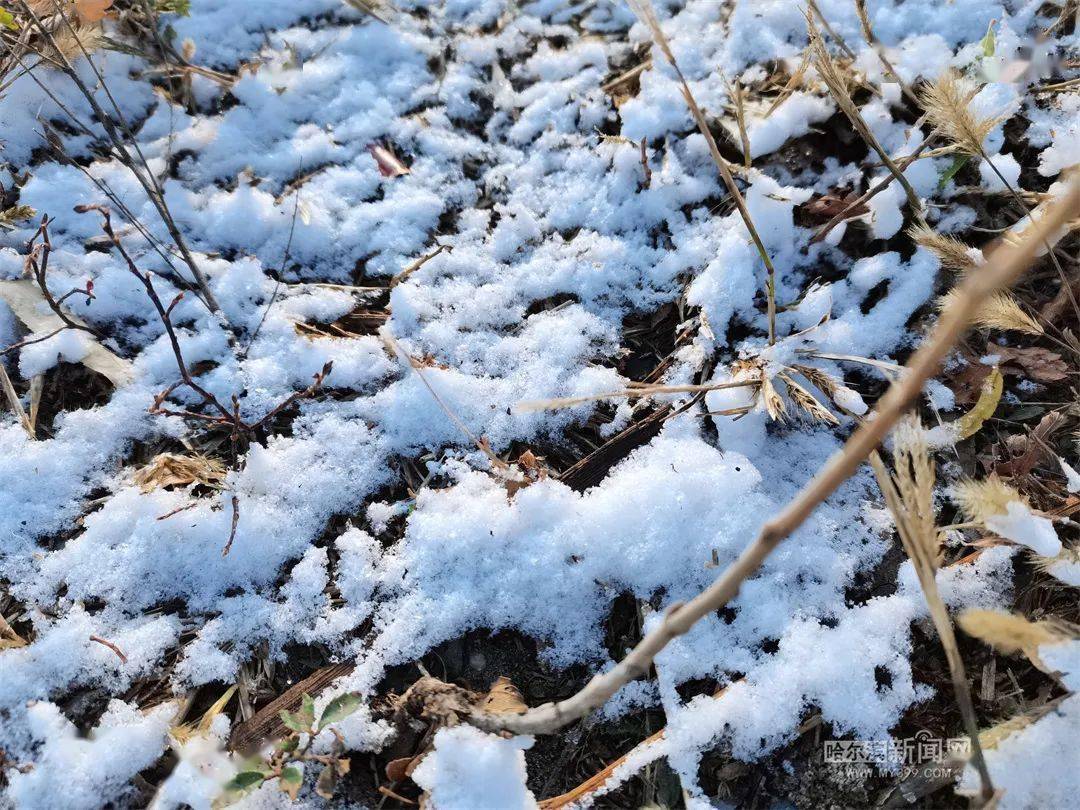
[{"x": 501, "y": 130}]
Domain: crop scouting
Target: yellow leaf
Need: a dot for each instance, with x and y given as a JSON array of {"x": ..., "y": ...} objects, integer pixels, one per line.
[{"x": 971, "y": 422}]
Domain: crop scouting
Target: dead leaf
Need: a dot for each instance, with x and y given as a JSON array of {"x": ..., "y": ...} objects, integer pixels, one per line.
[
  {"x": 967, "y": 382},
  {"x": 29, "y": 306},
  {"x": 503, "y": 698},
  {"x": 169, "y": 470},
  {"x": 92, "y": 11},
  {"x": 1041, "y": 365},
  {"x": 989, "y": 396},
  {"x": 9, "y": 639},
  {"x": 829, "y": 205},
  {"x": 1028, "y": 451},
  {"x": 388, "y": 162}
]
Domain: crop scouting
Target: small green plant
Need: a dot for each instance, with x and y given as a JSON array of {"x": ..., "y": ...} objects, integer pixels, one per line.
[{"x": 288, "y": 758}]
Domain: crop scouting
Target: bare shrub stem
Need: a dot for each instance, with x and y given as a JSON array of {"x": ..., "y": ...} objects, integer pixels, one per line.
[{"x": 1004, "y": 266}]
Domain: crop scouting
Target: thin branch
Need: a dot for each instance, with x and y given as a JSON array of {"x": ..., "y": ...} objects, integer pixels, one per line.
[
  {"x": 1005, "y": 265},
  {"x": 145, "y": 176}
]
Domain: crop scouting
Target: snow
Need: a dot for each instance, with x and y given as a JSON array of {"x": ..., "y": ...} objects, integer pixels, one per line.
[
  {"x": 521, "y": 166},
  {"x": 1033, "y": 767},
  {"x": 1020, "y": 525},
  {"x": 472, "y": 770}
]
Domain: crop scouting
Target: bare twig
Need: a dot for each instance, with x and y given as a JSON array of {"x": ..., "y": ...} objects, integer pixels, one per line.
[
  {"x": 111, "y": 646},
  {"x": 140, "y": 169},
  {"x": 885, "y": 182},
  {"x": 1004, "y": 267}
]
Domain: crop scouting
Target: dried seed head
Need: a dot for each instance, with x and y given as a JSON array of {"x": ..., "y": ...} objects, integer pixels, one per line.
[
  {"x": 1009, "y": 633},
  {"x": 947, "y": 104},
  {"x": 808, "y": 402},
  {"x": 772, "y": 401},
  {"x": 1000, "y": 311},
  {"x": 169, "y": 469},
  {"x": 953, "y": 254},
  {"x": 979, "y": 500}
]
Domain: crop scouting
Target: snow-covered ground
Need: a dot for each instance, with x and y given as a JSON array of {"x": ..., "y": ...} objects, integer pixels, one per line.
[{"x": 521, "y": 164}]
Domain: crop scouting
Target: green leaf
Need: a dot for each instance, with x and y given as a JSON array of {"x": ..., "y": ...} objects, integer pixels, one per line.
[
  {"x": 294, "y": 721},
  {"x": 306, "y": 714},
  {"x": 958, "y": 163},
  {"x": 290, "y": 781},
  {"x": 339, "y": 708},
  {"x": 245, "y": 780},
  {"x": 989, "y": 45},
  {"x": 288, "y": 744},
  {"x": 7, "y": 19}
]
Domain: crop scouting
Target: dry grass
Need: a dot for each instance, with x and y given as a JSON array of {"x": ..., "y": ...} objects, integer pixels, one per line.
[
  {"x": 953, "y": 254},
  {"x": 1001, "y": 311},
  {"x": 947, "y": 103}
]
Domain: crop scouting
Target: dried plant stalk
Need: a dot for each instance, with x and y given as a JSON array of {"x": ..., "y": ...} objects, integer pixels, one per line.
[
  {"x": 838, "y": 89},
  {"x": 909, "y": 494},
  {"x": 644, "y": 11},
  {"x": 1003, "y": 267}
]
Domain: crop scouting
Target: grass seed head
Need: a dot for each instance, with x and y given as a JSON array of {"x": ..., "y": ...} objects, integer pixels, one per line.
[
  {"x": 1000, "y": 311},
  {"x": 953, "y": 254},
  {"x": 979, "y": 500},
  {"x": 1008, "y": 632},
  {"x": 947, "y": 102}
]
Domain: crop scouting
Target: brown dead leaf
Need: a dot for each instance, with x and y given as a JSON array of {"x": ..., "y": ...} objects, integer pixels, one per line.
[
  {"x": 502, "y": 698},
  {"x": 9, "y": 639},
  {"x": 829, "y": 205},
  {"x": 1028, "y": 451},
  {"x": 966, "y": 383},
  {"x": 92, "y": 11},
  {"x": 444, "y": 704},
  {"x": 169, "y": 469},
  {"x": 1041, "y": 365}
]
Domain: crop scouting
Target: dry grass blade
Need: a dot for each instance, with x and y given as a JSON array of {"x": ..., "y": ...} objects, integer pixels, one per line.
[
  {"x": 644, "y": 11},
  {"x": 838, "y": 85},
  {"x": 1003, "y": 268},
  {"x": 14, "y": 402},
  {"x": 628, "y": 393},
  {"x": 953, "y": 254},
  {"x": 794, "y": 81}
]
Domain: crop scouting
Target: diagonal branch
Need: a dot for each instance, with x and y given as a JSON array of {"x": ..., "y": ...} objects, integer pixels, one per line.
[{"x": 1005, "y": 265}]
